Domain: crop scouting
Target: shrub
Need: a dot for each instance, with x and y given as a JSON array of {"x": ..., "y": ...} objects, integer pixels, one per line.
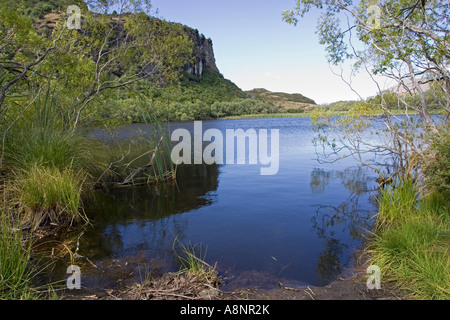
[{"x": 437, "y": 168}]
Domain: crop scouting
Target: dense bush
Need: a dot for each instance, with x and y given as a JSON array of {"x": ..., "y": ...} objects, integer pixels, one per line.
[
  {"x": 299, "y": 110},
  {"x": 210, "y": 98},
  {"x": 340, "y": 105},
  {"x": 435, "y": 100},
  {"x": 437, "y": 169},
  {"x": 37, "y": 9}
]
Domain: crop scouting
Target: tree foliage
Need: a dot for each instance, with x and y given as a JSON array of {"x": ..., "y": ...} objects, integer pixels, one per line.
[
  {"x": 404, "y": 41},
  {"x": 108, "y": 52}
]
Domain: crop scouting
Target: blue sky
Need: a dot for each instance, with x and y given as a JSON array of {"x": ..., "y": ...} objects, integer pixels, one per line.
[{"x": 254, "y": 48}]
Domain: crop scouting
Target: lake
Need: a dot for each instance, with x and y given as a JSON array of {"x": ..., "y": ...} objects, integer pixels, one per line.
[{"x": 301, "y": 226}]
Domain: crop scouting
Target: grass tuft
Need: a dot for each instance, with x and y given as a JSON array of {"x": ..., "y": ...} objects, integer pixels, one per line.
[
  {"x": 411, "y": 243},
  {"x": 50, "y": 194},
  {"x": 15, "y": 275}
]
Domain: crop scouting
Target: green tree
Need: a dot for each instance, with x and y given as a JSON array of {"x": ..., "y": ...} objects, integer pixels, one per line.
[
  {"x": 108, "y": 52},
  {"x": 406, "y": 41}
]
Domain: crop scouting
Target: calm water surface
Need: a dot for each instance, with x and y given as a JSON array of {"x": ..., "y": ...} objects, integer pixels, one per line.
[{"x": 300, "y": 227}]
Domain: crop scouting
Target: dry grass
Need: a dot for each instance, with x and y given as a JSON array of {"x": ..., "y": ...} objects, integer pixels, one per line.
[{"x": 172, "y": 286}]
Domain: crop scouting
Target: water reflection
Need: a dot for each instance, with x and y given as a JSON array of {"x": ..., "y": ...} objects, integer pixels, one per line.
[
  {"x": 349, "y": 216},
  {"x": 300, "y": 226},
  {"x": 145, "y": 218}
]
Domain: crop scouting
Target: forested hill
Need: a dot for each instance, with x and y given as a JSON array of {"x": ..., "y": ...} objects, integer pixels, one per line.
[
  {"x": 118, "y": 67},
  {"x": 46, "y": 14}
]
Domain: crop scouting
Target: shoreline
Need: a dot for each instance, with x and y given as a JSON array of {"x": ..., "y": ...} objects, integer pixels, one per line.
[
  {"x": 178, "y": 286},
  {"x": 309, "y": 115}
]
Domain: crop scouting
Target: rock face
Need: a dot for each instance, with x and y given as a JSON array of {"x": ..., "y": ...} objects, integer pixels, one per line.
[
  {"x": 203, "y": 47},
  {"x": 203, "y": 55}
]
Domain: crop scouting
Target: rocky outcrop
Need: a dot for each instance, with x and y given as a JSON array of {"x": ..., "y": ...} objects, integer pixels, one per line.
[
  {"x": 203, "y": 55},
  {"x": 203, "y": 48}
]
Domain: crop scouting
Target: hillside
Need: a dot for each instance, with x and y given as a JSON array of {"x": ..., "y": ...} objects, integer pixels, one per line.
[
  {"x": 291, "y": 102},
  {"x": 202, "y": 48},
  {"x": 172, "y": 67}
]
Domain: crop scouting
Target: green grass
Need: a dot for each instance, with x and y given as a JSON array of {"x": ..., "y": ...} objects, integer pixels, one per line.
[
  {"x": 396, "y": 204},
  {"x": 50, "y": 167},
  {"x": 269, "y": 115},
  {"x": 50, "y": 194},
  {"x": 192, "y": 259},
  {"x": 15, "y": 276},
  {"x": 50, "y": 146},
  {"x": 412, "y": 241}
]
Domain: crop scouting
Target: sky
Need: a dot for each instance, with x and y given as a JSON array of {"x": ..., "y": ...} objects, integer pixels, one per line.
[{"x": 255, "y": 48}]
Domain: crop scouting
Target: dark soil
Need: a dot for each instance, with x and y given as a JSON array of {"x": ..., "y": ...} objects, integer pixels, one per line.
[{"x": 351, "y": 289}]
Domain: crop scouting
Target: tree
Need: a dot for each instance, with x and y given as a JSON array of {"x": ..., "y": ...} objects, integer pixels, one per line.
[
  {"x": 406, "y": 41},
  {"x": 133, "y": 47},
  {"x": 108, "y": 52}
]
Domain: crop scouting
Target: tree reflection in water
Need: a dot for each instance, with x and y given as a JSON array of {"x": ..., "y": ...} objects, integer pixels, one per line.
[{"x": 348, "y": 217}]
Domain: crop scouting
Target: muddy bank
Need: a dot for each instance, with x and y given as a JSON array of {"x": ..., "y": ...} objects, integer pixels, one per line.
[
  {"x": 178, "y": 286},
  {"x": 136, "y": 278},
  {"x": 349, "y": 289}
]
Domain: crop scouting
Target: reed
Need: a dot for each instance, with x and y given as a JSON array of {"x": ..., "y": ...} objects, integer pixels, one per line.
[
  {"x": 163, "y": 168},
  {"x": 50, "y": 195},
  {"x": 411, "y": 242},
  {"x": 15, "y": 276}
]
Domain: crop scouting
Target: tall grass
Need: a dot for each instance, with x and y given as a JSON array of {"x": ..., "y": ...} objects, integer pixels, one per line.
[
  {"x": 412, "y": 241},
  {"x": 397, "y": 202},
  {"x": 49, "y": 165},
  {"x": 50, "y": 146},
  {"x": 15, "y": 275},
  {"x": 50, "y": 194},
  {"x": 163, "y": 168}
]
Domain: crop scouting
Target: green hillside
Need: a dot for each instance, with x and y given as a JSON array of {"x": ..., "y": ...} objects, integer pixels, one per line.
[
  {"x": 292, "y": 102},
  {"x": 37, "y": 9},
  {"x": 177, "y": 90},
  {"x": 211, "y": 97}
]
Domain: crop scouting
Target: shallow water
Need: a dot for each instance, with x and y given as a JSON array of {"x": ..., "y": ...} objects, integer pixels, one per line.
[{"x": 300, "y": 226}]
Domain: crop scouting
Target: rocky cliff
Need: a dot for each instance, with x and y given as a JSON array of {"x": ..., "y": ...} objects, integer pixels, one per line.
[
  {"x": 203, "y": 55},
  {"x": 203, "y": 47}
]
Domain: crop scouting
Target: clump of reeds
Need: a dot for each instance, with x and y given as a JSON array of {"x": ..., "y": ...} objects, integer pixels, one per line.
[
  {"x": 50, "y": 194},
  {"x": 411, "y": 243},
  {"x": 15, "y": 276}
]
